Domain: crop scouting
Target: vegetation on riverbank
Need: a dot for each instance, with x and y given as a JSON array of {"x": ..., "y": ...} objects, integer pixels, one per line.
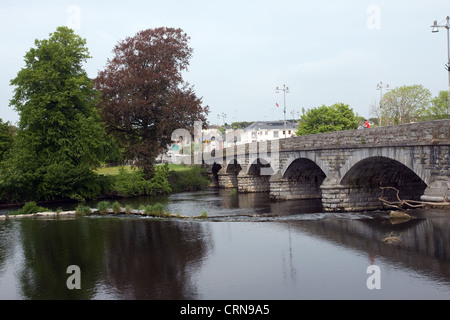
[
  {"x": 168, "y": 178},
  {"x": 31, "y": 209},
  {"x": 125, "y": 181}
]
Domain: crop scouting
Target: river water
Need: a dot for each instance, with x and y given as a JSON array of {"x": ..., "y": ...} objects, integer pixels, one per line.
[{"x": 248, "y": 248}]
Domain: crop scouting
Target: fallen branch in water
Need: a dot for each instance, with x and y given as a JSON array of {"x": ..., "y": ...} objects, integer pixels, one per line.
[
  {"x": 392, "y": 239},
  {"x": 400, "y": 204}
]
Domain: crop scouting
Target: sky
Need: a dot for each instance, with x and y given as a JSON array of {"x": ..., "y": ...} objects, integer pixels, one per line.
[{"x": 325, "y": 51}]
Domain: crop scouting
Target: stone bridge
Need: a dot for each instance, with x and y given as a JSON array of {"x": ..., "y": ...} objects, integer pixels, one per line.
[{"x": 345, "y": 169}]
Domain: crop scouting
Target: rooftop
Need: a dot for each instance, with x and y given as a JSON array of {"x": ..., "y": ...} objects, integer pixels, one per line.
[{"x": 271, "y": 125}]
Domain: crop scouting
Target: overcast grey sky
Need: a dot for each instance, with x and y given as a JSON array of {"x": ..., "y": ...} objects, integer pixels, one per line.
[{"x": 325, "y": 51}]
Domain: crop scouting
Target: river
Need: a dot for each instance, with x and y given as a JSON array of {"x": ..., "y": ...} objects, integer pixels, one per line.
[{"x": 248, "y": 249}]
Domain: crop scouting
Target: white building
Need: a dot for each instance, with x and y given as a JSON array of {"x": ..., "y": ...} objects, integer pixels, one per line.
[{"x": 268, "y": 130}]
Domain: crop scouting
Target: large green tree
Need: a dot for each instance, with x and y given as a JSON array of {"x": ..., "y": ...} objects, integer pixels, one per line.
[
  {"x": 6, "y": 139},
  {"x": 323, "y": 119},
  {"x": 440, "y": 106},
  {"x": 59, "y": 137},
  {"x": 405, "y": 104},
  {"x": 144, "y": 95}
]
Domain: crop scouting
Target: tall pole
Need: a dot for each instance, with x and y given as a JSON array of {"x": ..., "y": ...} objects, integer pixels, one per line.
[
  {"x": 435, "y": 29},
  {"x": 285, "y": 90},
  {"x": 380, "y": 87},
  {"x": 448, "y": 64}
]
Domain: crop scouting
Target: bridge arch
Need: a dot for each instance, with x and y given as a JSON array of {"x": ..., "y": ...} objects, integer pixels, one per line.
[
  {"x": 260, "y": 167},
  {"x": 214, "y": 175},
  {"x": 301, "y": 179},
  {"x": 312, "y": 156},
  {"x": 233, "y": 167},
  {"x": 364, "y": 179},
  {"x": 403, "y": 156},
  {"x": 255, "y": 177}
]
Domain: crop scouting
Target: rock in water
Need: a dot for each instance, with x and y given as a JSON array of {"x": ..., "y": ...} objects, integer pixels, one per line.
[{"x": 399, "y": 215}]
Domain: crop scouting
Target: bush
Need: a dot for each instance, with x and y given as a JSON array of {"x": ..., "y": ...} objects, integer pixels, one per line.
[
  {"x": 103, "y": 207},
  {"x": 30, "y": 208},
  {"x": 155, "y": 210},
  {"x": 193, "y": 179},
  {"x": 116, "y": 207},
  {"x": 135, "y": 184},
  {"x": 82, "y": 209}
]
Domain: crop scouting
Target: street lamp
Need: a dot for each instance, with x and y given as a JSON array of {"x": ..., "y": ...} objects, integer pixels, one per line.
[
  {"x": 223, "y": 116},
  {"x": 435, "y": 29},
  {"x": 380, "y": 87},
  {"x": 285, "y": 90}
]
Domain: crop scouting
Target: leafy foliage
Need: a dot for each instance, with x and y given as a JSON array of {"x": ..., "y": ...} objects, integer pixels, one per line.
[
  {"x": 440, "y": 107},
  {"x": 6, "y": 139},
  {"x": 194, "y": 179},
  {"x": 30, "y": 208},
  {"x": 144, "y": 96},
  {"x": 103, "y": 207},
  {"x": 134, "y": 183},
  {"x": 405, "y": 104},
  {"x": 60, "y": 138},
  {"x": 328, "y": 119}
]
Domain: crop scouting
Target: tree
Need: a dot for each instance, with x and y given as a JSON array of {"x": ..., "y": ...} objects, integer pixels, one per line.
[
  {"x": 323, "y": 119},
  {"x": 405, "y": 104},
  {"x": 144, "y": 96},
  {"x": 6, "y": 139},
  {"x": 440, "y": 107},
  {"x": 59, "y": 138}
]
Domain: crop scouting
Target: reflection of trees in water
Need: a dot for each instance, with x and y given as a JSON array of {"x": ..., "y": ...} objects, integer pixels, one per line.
[
  {"x": 156, "y": 259},
  {"x": 6, "y": 241},
  {"x": 50, "y": 247},
  {"x": 139, "y": 259}
]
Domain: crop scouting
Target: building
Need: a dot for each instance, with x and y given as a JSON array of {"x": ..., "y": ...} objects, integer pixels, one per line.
[
  {"x": 213, "y": 139},
  {"x": 268, "y": 130}
]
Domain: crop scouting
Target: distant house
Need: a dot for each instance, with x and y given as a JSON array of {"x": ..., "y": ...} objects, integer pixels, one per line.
[
  {"x": 213, "y": 139},
  {"x": 268, "y": 130}
]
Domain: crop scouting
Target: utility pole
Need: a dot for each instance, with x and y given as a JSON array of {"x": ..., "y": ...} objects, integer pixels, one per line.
[
  {"x": 285, "y": 90},
  {"x": 435, "y": 29},
  {"x": 380, "y": 87}
]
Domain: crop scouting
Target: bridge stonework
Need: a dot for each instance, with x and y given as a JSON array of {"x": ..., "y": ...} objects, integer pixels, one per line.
[{"x": 344, "y": 169}]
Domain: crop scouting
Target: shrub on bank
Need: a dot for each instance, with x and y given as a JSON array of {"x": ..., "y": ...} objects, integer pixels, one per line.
[
  {"x": 131, "y": 184},
  {"x": 192, "y": 179},
  {"x": 82, "y": 209},
  {"x": 29, "y": 208},
  {"x": 155, "y": 210},
  {"x": 103, "y": 207}
]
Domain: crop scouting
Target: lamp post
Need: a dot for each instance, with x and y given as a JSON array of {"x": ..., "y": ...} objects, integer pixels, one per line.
[
  {"x": 435, "y": 29},
  {"x": 223, "y": 116},
  {"x": 285, "y": 90},
  {"x": 380, "y": 87}
]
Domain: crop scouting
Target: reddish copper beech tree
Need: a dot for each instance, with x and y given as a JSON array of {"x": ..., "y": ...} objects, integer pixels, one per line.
[{"x": 144, "y": 96}]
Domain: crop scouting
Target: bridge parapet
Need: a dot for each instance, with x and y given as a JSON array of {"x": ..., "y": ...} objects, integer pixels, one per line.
[{"x": 421, "y": 133}]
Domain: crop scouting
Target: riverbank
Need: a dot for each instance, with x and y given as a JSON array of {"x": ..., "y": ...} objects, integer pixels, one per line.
[
  {"x": 73, "y": 214},
  {"x": 122, "y": 182}
]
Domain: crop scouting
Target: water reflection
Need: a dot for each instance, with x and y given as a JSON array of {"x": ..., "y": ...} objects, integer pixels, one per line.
[
  {"x": 119, "y": 258},
  {"x": 250, "y": 248}
]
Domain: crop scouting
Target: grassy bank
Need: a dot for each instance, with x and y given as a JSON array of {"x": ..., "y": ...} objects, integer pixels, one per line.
[
  {"x": 128, "y": 181},
  {"x": 125, "y": 181}
]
